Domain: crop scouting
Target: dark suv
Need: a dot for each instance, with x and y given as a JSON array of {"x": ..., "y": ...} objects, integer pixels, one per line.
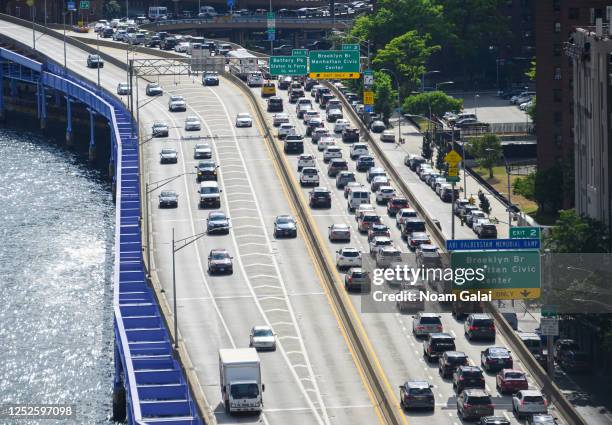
[
  {"x": 275, "y": 104},
  {"x": 468, "y": 377},
  {"x": 436, "y": 344},
  {"x": 350, "y": 135},
  {"x": 320, "y": 197},
  {"x": 207, "y": 170},
  {"x": 450, "y": 361},
  {"x": 479, "y": 326},
  {"x": 474, "y": 404},
  {"x": 417, "y": 394},
  {"x": 335, "y": 166}
]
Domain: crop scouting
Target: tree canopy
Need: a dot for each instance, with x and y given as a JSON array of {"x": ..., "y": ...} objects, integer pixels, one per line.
[
  {"x": 439, "y": 101},
  {"x": 487, "y": 149},
  {"x": 575, "y": 234}
]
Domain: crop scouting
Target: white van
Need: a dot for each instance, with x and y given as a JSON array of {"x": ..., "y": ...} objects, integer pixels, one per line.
[
  {"x": 358, "y": 197},
  {"x": 210, "y": 194},
  {"x": 255, "y": 79},
  {"x": 207, "y": 12}
]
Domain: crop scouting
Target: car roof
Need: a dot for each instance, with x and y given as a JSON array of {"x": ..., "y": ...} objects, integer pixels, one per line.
[
  {"x": 341, "y": 225},
  {"x": 284, "y": 216},
  {"x": 480, "y": 316},
  {"x": 349, "y": 249},
  {"x": 417, "y": 384},
  {"x": 428, "y": 246},
  {"x": 262, "y": 328},
  {"x": 441, "y": 335},
  {"x": 475, "y": 392},
  {"x": 321, "y": 189},
  {"x": 219, "y": 251},
  {"x": 534, "y": 393},
  {"x": 454, "y": 353}
]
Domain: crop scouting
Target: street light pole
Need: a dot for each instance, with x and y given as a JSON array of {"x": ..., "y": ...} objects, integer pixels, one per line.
[
  {"x": 476, "y": 97},
  {"x": 64, "y": 21},
  {"x": 98, "y": 49},
  {"x": 33, "y": 12}
]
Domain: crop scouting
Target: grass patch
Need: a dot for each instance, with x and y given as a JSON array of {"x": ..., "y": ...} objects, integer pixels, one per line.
[
  {"x": 423, "y": 123},
  {"x": 500, "y": 183}
]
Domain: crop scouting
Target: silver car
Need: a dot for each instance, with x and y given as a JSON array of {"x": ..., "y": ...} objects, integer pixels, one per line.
[
  {"x": 529, "y": 402},
  {"x": 202, "y": 151},
  {"x": 177, "y": 103},
  {"x": 262, "y": 338},
  {"x": 192, "y": 123},
  {"x": 339, "y": 232}
]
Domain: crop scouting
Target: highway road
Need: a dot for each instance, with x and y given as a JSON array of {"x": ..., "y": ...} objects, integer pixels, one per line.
[
  {"x": 311, "y": 377},
  {"x": 399, "y": 352}
]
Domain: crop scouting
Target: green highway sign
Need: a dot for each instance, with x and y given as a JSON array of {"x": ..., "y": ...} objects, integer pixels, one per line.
[
  {"x": 323, "y": 61},
  {"x": 350, "y": 47},
  {"x": 549, "y": 310},
  {"x": 84, "y": 4},
  {"x": 453, "y": 179},
  {"x": 288, "y": 65},
  {"x": 299, "y": 52},
  {"x": 271, "y": 15},
  {"x": 525, "y": 233},
  {"x": 507, "y": 275}
]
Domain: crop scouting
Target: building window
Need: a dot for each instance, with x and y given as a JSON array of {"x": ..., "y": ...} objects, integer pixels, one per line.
[
  {"x": 558, "y": 139},
  {"x": 557, "y": 49},
  {"x": 557, "y": 27},
  {"x": 557, "y": 117},
  {"x": 556, "y": 5},
  {"x": 557, "y": 95},
  {"x": 573, "y": 13},
  {"x": 557, "y": 73}
]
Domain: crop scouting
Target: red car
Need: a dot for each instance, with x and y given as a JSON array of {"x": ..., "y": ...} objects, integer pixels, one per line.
[
  {"x": 396, "y": 204},
  {"x": 511, "y": 381}
]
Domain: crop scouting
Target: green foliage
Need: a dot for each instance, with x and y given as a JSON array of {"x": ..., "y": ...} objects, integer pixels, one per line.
[
  {"x": 440, "y": 103},
  {"x": 384, "y": 95},
  {"x": 548, "y": 190},
  {"x": 525, "y": 186},
  {"x": 487, "y": 149},
  {"x": 484, "y": 205},
  {"x": 112, "y": 9},
  {"x": 406, "y": 55},
  {"x": 531, "y": 72},
  {"x": 440, "y": 164},
  {"x": 531, "y": 110},
  {"x": 426, "y": 150},
  {"x": 575, "y": 234}
]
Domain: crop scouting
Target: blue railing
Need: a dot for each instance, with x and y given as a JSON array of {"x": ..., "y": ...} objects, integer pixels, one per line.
[{"x": 145, "y": 368}]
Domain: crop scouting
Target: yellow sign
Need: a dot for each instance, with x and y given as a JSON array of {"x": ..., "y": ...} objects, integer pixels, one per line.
[
  {"x": 505, "y": 294},
  {"x": 452, "y": 158},
  {"x": 368, "y": 97},
  {"x": 334, "y": 75},
  {"x": 453, "y": 171},
  {"x": 30, "y": 3}
]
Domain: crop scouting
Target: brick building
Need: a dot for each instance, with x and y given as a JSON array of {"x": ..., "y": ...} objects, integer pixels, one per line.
[{"x": 555, "y": 20}]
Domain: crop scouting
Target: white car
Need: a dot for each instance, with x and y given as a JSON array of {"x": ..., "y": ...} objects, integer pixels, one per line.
[
  {"x": 332, "y": 152},
  {"x": 347, "y": 258},
  {"x": 262, "y": 338},
  {"x": 181, "y": 47},
  {"x": 308, "y": 115},
  {"x": 305, "y": 160},
  {"x": 278, "y": 119},
  {"x": 362, "y": 209},
  {"x": 384, "y": 194},
  {"x": 377, "y": 182},
  {"x": 378, "y": 242},
  {"x": 478, "y": 223},
  {"x": 325, "y": 142},
  {"x": 339, "y": 232},
  {"x": 177, "y": 103},
  {"x": 358, "y": 149},
  {"x": 309, "y": 176},
  {"x": 243, "y": 119},
  {"x": 319, "y": 133},
  {"x": 123, "y": 89},
  {"x": 168, "y": 156},
  {"x": 404, "y": 214},
  {"x": 526, "y": 105},
  {"x": 192, "y": 123},
  {"x": 285, "y": 129},
  {"x": 387, "y": 136},
  {"x": 528, "y": 402},
  {"x": 202, "y": 151},
  {"x": 340, "y": 125}
]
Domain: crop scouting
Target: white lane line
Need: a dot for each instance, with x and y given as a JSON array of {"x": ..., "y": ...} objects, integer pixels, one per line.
[
  {"x": 269, "y": 276},
  {"x": 237, "y": 150},
  {"x": 299, "y": 409},
  {"x": 276, "y": 310},
  {"x": 249, "y": 235},
  {"x": 271, "y": 297},
  {"x": 266, "y": 286},
  {"x": 250, "y": 254},
  {"x": 253, "y": 243},
  {"x": 305, "y": 294},
  {"x": 258, "y": 265}
]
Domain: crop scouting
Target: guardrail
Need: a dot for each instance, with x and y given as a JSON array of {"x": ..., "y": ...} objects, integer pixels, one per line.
[
  {"x": 153, "y": 380},
  {"x": 347, "y": 314},
  {"x": 554, "y": 393}
]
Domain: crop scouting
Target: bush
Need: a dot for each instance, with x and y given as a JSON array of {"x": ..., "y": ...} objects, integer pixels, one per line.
[{"x": 525, "y": 186}]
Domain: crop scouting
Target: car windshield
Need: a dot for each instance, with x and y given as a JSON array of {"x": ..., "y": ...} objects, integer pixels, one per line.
[
  {"x": 176, "y": 98},
  {"x": 244, "y": 391},
  {"x": 370, "y": 218},
  {"x": 309, "y": 171},
  {"x": 456, "y": 360},
  {"x": 350, "y": 253},
  {"x": 498, "y": 352},
  {"x": 168, "y": 152},
  {"x": 168, "y": 194},
  {"x": 479, "y": 400},
  {"x": 533, "y": 399},
  {"x": 192, "y": 119},
  {"x": 262, "y": 332},
  {"x": 217, "y": 217},
  {"x": 420, "y": 391},
  {"x": 428, "y": 320},
  {"x": 483, "y": 323},
  {"x": 515, "y": 375},
  {"x": 209, "y": 190},
  {"x": 219, "y": 255},
  {"x": 202, "y": 146},
  {"x": 284, "y": 220},
  {"x": 244, "y": 115}
]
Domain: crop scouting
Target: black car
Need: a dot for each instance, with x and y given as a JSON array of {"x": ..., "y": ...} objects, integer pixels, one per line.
[
  {"x": 450, "y": 361},
  {"x": 293, "y": 143},
  {"x": 275, "y": 104},
  {"x": 436, "y": 344},
  {"x": 313, "y": 123},
  {"x": 168, "y": 43},
  {"x": 336, "y": 165},
  {"x": 364, "y": 163},
  {"x": 94, "y": 61},
  {"x": 494, "y": 359},
  {"x": 417, "y": 395},
  {"x": 107, "y": 32},
  {"x": 468, "y": 377},
  {"x": 319, "y": 45},
  {"x": 474, "y": 404},
  {"x": 479, "y": 326},
  {"x": 207, "y": 170},
  {"x": 154, "y": 41},
  {"x": 284, "y": 83},
  {"x": 210, "y": 79},
  {"x": 217, "y": 222},
  {"x": 295, "y": 95},
  {"x": 284, "y": 225},
  {"x": 343, "y": 178},
  {"x": 350, "y": 135},
  {"x": 168, "y": 199},
  {"x": 320, "y": 197},
  {"x": 310, "y": 83}
]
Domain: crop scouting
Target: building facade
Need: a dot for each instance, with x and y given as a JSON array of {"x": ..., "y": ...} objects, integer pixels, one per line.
[
  {"x": 555, "y": 20},
  {"x": 590, "y": 50}
]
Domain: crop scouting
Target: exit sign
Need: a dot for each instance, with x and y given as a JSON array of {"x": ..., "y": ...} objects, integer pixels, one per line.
[
  {"x": 353, "y": 47},
  {"x": 525, "y": 232},
  {"x": 84, "y": 4}
]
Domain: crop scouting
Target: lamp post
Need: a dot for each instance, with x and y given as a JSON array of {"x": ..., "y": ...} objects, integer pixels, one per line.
[
  {"x": 365, "y": 43},
  {"x": 507, "y": 167},
  {"x": 184, "y": 243},
  {"x": 423, "y": 77},
  {"x": 399, "y": 105},
  {"x": 33, "y": 13},
  {"x": 64, "y": 13},
  {"x": 476, "y": 97},
  {"x": 98, "y": 50}
]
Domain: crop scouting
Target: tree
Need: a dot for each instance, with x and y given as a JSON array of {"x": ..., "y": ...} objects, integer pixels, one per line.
[
  {"x": 485, "y": 205},
  {"x": 525, "y": 186},
  {"x": 487, "y": 150},
  {"x": 531, "y": 109},
  {"x": 577, "y": 234},
  {"x": 384, "y": 95},
  {"x": 548, "y": 189},
  {"x": 531, "y": 72},
  {"x": 440, "y": 103},
  {"x": 406, "y": 55},
  {"x": 112, "y": 8}
]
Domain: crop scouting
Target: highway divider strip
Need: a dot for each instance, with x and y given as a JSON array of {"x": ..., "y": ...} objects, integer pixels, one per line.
[
  {"x": 378, "y": 384},
  {"x": 567, "y": 410}
]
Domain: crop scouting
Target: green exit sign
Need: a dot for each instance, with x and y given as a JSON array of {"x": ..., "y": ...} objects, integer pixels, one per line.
[
  {"x": 353, "y": 47},
  {"x": 288, "y": 65},
  {"x": 334, "y": 61},
  {"x": 84, "y": 4},
  {"x": 299, "y": 52},
  {"x": 524, "y": 233}
]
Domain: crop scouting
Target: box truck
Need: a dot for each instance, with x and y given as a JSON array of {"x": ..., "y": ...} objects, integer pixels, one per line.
[{"x": 240, "y": 378}]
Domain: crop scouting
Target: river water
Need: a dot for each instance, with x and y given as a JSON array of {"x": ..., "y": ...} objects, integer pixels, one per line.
[{"x": 56, "y": 263}]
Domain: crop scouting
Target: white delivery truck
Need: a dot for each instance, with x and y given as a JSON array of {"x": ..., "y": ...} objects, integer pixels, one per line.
[{"x": 240, "y": 378}]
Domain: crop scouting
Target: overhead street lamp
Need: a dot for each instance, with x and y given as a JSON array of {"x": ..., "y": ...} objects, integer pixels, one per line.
[
  {"x": 399, "y": 105},
  {"x": 444, "y": 83},
  {"x": 423, "y": 77},
  {"x": 364, "y": 43},
  {"x": 507, "y": 166},
  {"x": 184, "y": 243}
]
